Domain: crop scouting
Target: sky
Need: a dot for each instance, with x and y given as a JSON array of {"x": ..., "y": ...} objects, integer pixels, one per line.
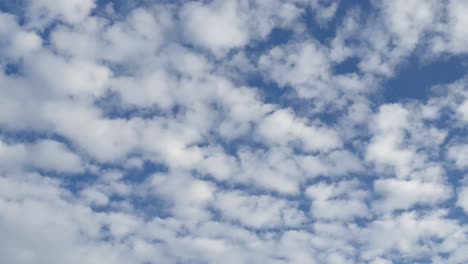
[{"x": 233, "y": 131}]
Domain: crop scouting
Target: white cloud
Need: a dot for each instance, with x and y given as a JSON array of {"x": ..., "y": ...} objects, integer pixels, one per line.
[
  {"x": 459, "y": 154},
  {"x": 44, "y": 155},
  {"x": 68, "y": 77},
  {"x": 17, "y": 42},
  {"x": 390, "y": 124},
  {"x": 463, "y": 110},
  {"x": 408, "y": 20},
  {"x": 302, "y": 66},
  {"x": 95, "y": 197},
  {"x": 401, "y": 194},
  {"x": 403, "y": 233},
  {"x": 341, "y": 201},
  {"x": 271, "y": 170},
  {"x": 462, "y": 199},
  {"x": 282, "y": 127},
  {"x": 218, "y": 26},
  {"x": 24, "y": 43},
  {"x": 138, "y": 35},
  {"x": 51, "y": 155},
  {"x": 324, "y": 10},
  {"x": 98, "y": 137},
  {"x": 454, "y": 30},
  {"x": 225, "y": 132},
  {"x": 43, "y": 12},
  {"x": 197, "y": 195},
  {"x": 258, "y": 211}
]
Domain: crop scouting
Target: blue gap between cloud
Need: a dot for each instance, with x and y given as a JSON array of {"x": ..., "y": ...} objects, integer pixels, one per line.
[{"x": 415, "y": 79}]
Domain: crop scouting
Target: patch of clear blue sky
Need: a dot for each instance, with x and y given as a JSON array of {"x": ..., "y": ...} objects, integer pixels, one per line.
[
  {"x": 415, "y": 79},
  {"x": 14, "y": 7}
]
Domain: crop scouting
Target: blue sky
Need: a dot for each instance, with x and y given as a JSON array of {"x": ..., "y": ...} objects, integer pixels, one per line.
[{"x": 233, "y": 131}]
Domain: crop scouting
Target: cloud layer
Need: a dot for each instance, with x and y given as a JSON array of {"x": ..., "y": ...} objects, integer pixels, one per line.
[{"x": 231, "y": 132}]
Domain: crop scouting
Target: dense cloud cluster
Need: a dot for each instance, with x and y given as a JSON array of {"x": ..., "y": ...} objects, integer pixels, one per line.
[{"x": 231, "y": 131}]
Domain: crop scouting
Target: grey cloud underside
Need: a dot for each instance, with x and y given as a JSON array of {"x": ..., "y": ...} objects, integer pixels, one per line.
[{"x": 184, "y": 132}]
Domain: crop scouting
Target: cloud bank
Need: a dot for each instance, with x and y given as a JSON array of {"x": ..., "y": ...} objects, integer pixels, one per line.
[{"x": 233, "y": 132}]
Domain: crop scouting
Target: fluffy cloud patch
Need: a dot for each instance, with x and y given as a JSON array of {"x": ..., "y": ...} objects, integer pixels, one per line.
[{"x": 233, "y": 132}]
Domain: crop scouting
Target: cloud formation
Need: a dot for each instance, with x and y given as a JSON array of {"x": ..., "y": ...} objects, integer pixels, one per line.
[{"x": 231, "y": 132}]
